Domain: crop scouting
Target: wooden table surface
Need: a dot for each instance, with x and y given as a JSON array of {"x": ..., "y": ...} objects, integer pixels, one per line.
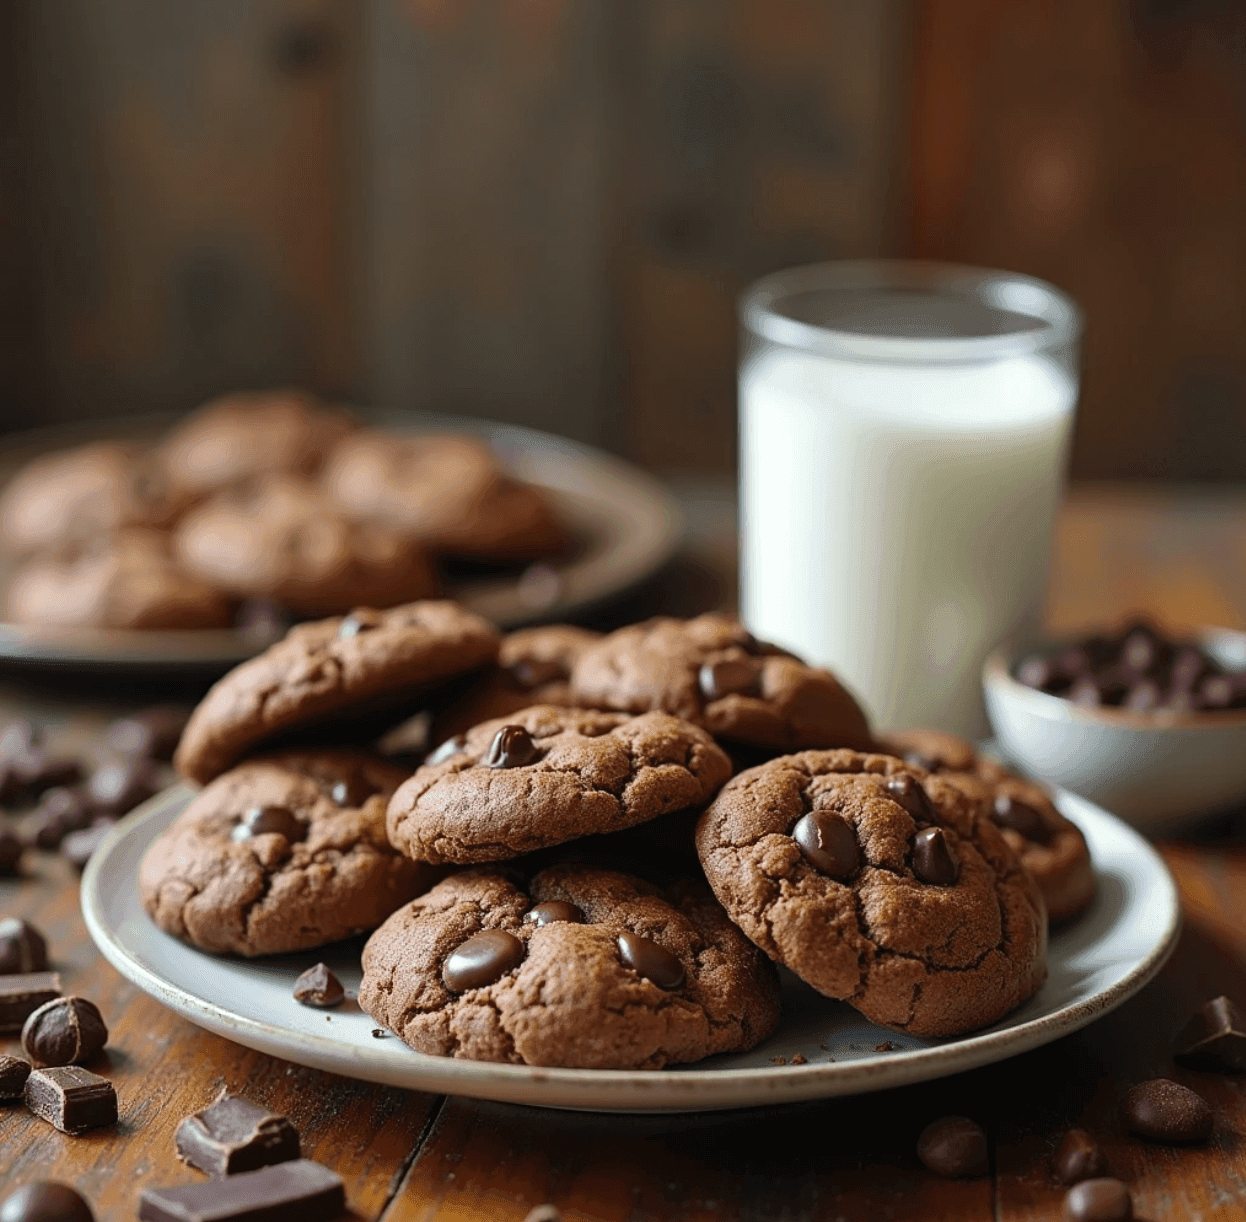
[{"x": 408, "y": 1156}]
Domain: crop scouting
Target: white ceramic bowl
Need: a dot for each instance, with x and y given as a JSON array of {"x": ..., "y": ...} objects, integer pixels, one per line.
[{"x": 1153, "y": 769}]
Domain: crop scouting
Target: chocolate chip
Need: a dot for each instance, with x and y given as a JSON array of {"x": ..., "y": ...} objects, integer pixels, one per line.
[
  {"x": 907, "y": 791},
  {"x": 352, "y": 792},
  {"x": 11, "y": 849},
  {"x": 1103, "y": 1200},
  {"x": 1021, "y": 817},
  {"x": 45, "y": 1201},
  {"x": 359, "y": 620},
  {"x": 319, "y": 987},
  {"x": 13, "y": 1074},
  {"x": 1167, "y": 1112},
  {"x": 512, "y": 747},
  {"x": 22, "y": 948},
  {"x": 379, "y": 1033},
  {"x": 482, "y": 959},
  {"x": 828, "y": 843},
  {"x": 1077, "y": 1157},
  {"x": 60, "y": 811},
  {"x": 120, "y": 785},
  {"x": 452, "y": 746},
  {"x": 264, "y": 820},
  {"x": 152, "y": 734},
  {"x": 533, "y": 672},
  {"x": 953, "y": 1147},
  {"x": 549, "y": 911},
  {"x": 730, "y": 677},
  {"x": 66, "y": 1031},
  {"x": 933, "y": 859},
  {"x": 1215, "y": 1038},
  {"x": 652, "y": 961}
]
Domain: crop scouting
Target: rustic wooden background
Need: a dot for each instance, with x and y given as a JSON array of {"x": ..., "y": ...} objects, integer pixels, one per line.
[{"x": 543, "y": 210}]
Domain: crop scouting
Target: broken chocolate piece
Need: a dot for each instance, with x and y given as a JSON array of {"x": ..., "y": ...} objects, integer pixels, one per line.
[
  {"x": 22, "y": 948},
  {"x": 22, "y": 995},
  {"x": 234, "y": 1135},
  {"x": 13, "y": 1074},
  {"x": 319, "y": 987},
  {"x": 71, "y": 1098},
  {"x": 1215, "y": 1038},
  {"x": 301, "y": 1190}
]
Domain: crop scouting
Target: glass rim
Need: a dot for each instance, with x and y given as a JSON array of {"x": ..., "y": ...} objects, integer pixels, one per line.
[{"x": 1058, "y": 321}]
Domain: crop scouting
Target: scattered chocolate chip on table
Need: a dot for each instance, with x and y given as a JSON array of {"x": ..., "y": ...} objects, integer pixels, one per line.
[{"x": 234, "y": 1135}]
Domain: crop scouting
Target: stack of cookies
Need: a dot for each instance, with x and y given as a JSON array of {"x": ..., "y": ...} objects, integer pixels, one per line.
[
  {"x": 264, "y": 497},
  {"x": 611, "y": 842}
]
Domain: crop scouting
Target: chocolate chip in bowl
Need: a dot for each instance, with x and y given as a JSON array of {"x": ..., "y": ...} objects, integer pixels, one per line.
[{"x": 1146, "y": 723}]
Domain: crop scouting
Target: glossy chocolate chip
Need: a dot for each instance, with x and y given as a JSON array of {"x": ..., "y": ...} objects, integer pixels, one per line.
[
  {"x": 512, "y": 747},
  {"x": 1021, "y": 817},
  {"x": 907, "y": 791},
  {"x": 933, "y": 859},
  {"x": 953, "y": 1147},
  {"x": 13, "y": 1074},
  {"x": 730, "y": 677},
  {"x": 23, "y": 948},
  {"x": 1078, "y": 1157},
  {"x": 533, "y": 672},
  {"x": 264, "y": 820},
  {"x": 67, "y": 1031},
  {"x": 554, "y": 910},
  {"x": 319, "y": 987},
  {"x": 481, "y": 960},
  {"x": 652, "y": 961},
  {"x": 828, "y": 843},
  {"x": 1215, "y": 1038},
  {"x": 1168, "y": 1112},
  {"x": 1102, "y": 1200},
  {"x": 352, "y": 792},
  {"x": 45, "y": 1201}
]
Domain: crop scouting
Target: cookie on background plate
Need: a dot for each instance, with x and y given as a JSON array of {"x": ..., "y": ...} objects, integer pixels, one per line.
[
  {"x": 878, "y": 887},
  {"x": 1051, "y": 848},
  {"x": 712, "y": 672},
  {"x": 546, "y": 775},
  {"x": 345, "y": 669},
  {"x": 283, "y": 853},
  {"x": 585, "y": 968}
]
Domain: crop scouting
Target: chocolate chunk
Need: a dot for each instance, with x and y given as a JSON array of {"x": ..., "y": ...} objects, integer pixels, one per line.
[
  {"x": 300, "y": 1190},
  {"x": 79, "y": 847},
  {"x": 66, "y": 1031},
  {"x": 452, "y": 746},
  {"x": 482, "y": 959},
  {"x": 22, "y": 948},
  {"x": 953, "y": 1147},
  {"x": 652, "y": 961},
  {"x": 533, "y": 672},
  {"x": 554, "y": 910},
  {"x": 730, "y": 677},
  {"x": 1167, "y": 1112},
  {"x": 120, "y": 785},
  {"x": 60, "y": 811},
  {"x": 512, "y": 747},
  {"x": 1215, "y": 1038},
  {"x": 71, "y": 1098},
  {"x": 1078, "y": 1157},
  {"x": 13, "y": 1074},
  {"x": 907, "y": 792},
  {"x": 933, "y": 859},
  {"x": 45, "y": 1201},
  {"x": 1021, "y": 817},
  {"x": 21, "y": 995},
  {"x": 353, "y": 792},
  {"x": 269, "y": 820},
  {"x": 11, "y": 849},
  {"x": 151, "y": 734},
  {"x": 1103, "y": 1200},
  {"x": 828, "y": 843},
  {"x": 235, "y": 1135},
  {"x": 319, "y": 987}
]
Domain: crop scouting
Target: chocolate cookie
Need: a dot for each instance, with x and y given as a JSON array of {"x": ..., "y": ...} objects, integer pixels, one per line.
[
  {"x": 252, "y": 433},
  {"x": 880, "y": 885},
  {"x": 587, "y": 969},
  {"x": 449, "y": 491},
  {"x": 1051, "y": 848},
  {"x": 281, "y": 538},
  {"x": 340, "y": 668},
  {"x": 534, "y": 667},
  {"x": 127, "y": 580},
  {"x": 283, "y": 853},
  {"x": 713, "y": 672},
  {"x": 547, "y": 775}
]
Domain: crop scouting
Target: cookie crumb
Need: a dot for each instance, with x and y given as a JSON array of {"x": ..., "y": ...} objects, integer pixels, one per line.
[
  {"x": 778, "y": 1060},
  {"x": 799, "y": 1060},
  {"x": 885, "y": 1046}
]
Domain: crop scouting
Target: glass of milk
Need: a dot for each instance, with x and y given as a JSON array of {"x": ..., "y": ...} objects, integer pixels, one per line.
[{"x": 903, "y": 433}]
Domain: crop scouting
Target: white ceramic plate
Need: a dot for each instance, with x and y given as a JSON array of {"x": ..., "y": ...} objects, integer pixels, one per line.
[
  {"x": 627, "y": 525},
  {"x": 1099, "y": 961}
]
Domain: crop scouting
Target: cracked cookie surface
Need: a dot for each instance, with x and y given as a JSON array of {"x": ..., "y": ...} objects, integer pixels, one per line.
[
  {"x": 868, "y": 912},
  {"x": 344, "y": 666},
  {"x": 1051, "y": 847},
  {"x": 314, "y": 867},
  {"x": 712, "y": 672},
  {"x": 568, "y": 995},
  {"x": 569, "y": 773}
]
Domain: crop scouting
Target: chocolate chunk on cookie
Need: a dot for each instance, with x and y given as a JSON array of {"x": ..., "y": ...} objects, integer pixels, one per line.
[
  {"x": 712, "y": 672},
  {"x": 285, "y": 852},
  {"x": 586, "y": 968},
  {"x": 879, "y": 885},
  {"x": 1051, "y": 848},
  {"x": 546, "y": 775},
  {"x": 334, "y": 668}
]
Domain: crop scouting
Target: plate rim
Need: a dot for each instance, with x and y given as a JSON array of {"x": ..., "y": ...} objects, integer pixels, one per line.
[{"x": 702, "y": 1090}]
